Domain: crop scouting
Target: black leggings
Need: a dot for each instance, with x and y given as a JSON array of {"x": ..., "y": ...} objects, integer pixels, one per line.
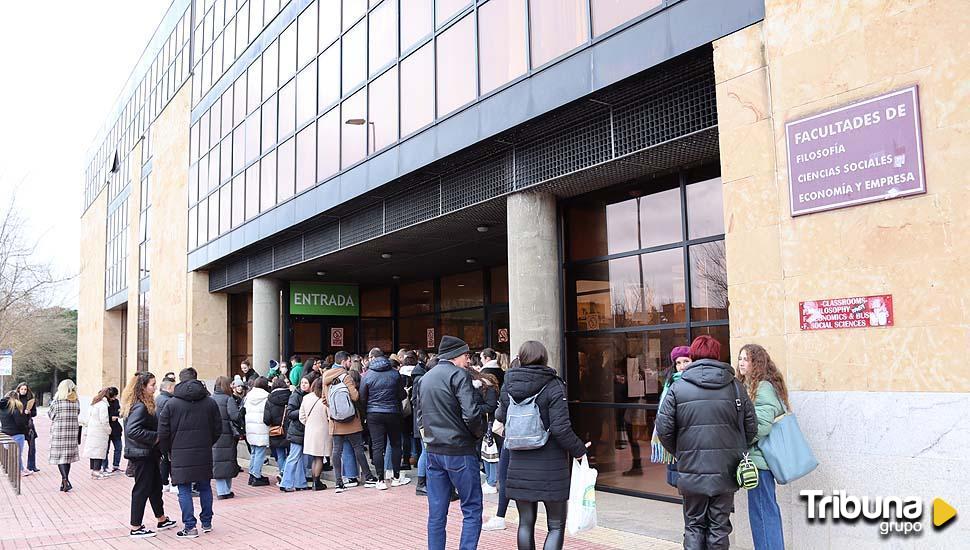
[
  {"x": 96, "y": 464},
  {"x": 65, "y": 470},
  {"x": 555, "y": 521}
]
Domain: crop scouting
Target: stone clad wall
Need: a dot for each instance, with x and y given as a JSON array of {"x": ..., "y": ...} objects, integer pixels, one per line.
[
  {"x": 881, "y": 406},
  {"x": 91, "y": 314}
]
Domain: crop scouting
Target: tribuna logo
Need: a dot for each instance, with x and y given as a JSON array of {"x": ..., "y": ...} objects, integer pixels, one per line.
[{"x": 895, "y": 515}]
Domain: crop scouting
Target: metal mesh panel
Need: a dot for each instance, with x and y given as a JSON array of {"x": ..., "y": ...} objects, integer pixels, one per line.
[
  {"x": 261, "y": 262},
  {"x": 684, "y": 108},
  {"x": 413, "y": 206},
  {"x": 288, "y": 253},
  {"x": 479, "y": 182},
  {"x": 321, "y": 241},
  {"x": 563, "y": 152},
  {"x": 217, "y": 278},
  {"x": 361, "y": 225},
  {"x": 237, "y": 272}
]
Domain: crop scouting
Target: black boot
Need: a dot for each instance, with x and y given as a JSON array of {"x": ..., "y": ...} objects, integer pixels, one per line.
[
  {"x": 421, "y": 489},
  {"x": 318, "y": 485}
]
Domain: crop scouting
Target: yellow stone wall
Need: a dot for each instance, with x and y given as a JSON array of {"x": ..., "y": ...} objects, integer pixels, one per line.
[
  {"x": 181, "y": 305},
  {"x": 812, "y": 56}
]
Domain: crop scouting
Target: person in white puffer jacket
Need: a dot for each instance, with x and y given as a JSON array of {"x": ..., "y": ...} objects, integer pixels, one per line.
[
  {"x": 257, "y": 432},
  {"x": 97, "y": 433}
]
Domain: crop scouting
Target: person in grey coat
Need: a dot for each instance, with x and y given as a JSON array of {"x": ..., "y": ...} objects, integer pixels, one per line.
[
  {"x": 700, "y": 422},
  {"x": 225, "y": 465}
]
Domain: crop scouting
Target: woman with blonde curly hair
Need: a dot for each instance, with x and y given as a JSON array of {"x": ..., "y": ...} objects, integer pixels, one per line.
[
  {"x": 141, "y": 450},
  {"x": 766, "y": 388}
]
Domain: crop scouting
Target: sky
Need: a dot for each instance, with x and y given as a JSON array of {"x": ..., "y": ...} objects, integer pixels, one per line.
[{"x": 63, "y": 65}]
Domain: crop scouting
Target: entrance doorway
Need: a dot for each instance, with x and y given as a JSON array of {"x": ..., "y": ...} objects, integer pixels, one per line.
[{"x": 321, "y": 336}]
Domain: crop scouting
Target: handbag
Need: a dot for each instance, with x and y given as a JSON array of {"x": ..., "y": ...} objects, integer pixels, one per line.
[
  {"x": 786, "y": 450},
  {"x": 278, "y": 431},
  {"x": 747, "y": 471},
  {"x": 490, "y": 452}
]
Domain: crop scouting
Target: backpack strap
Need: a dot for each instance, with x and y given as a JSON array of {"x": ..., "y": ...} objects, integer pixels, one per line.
[{"x": 740, "y": 409}]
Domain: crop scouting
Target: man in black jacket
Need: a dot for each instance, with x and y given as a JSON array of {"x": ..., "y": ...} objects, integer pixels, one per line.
[
  {"x": 188, "y": 426},
  {"x": 708, "y": 422},
  {"x": 451, "y": 418}
]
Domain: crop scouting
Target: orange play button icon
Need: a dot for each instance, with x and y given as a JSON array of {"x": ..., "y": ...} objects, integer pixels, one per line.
[{"x": 942, "y": 512}]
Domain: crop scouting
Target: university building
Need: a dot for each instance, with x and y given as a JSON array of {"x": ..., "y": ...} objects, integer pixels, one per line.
[{"x": 610, "y": 177}]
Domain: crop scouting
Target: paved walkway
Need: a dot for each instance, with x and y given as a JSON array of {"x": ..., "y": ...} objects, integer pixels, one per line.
[{"x": 95, "y": 515}]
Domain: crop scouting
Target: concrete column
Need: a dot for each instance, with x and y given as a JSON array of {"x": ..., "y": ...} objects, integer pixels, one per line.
[
  {"x": 266, "y": 323},
  {"x": 535, "y": 296}
]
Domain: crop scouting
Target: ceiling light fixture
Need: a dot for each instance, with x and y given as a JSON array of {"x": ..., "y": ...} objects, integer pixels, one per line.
[
  {"x": 470, "y": 260},
  {"x": 482, "y": 229},
  {"x": 386, "y": 255},
  {"x": 396, "y": 277},
  {"x": 321, "y": 273}
]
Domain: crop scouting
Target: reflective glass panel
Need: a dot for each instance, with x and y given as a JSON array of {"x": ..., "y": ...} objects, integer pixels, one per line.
[
  {"x": 353, "y": 144},
  {"x": 383, "y": 110},
  {"x": 353, "y": 10},
  {"x": 705, "y": 209},
  {"x": 285, "y": 170},
  {"x": 383, "y": 35},
  {"x": 225, "y": 209},
  {"x": 328, "y": 144},
  {"x": 501, "y": 42},
  {"x": 252, "y": 137},
  {"x": 415, "y": 333},
  {"x": 500, "y": 284},
  {"x": 416, "y": 20},
  {"x": 375, "y": 302},
  {"x": 468, "y": 325},
  {"x": 416, "y": 298},
  {"x": 456, "y": 66},
  {"x": 558, "y": 26},
  {"x": 307, "y": 35},
  {"x": 287, "y": 109},
  {"x": 608, "y": 14},
  {"x": 354, "y": 57},
  {"x": 254, "y": 95},
  {"x": 306, "y": 94},
  {"x": 271, "y": 60},
  {"x": 267, "y": 177},
  {"x": 329, "y": 76},
  {"x": 463, "y": 290},
  {"x": 708, "y": 282},
  {"x": 269, "y": 124},
  {"x": 288, "y": 53},
  {"x": 417, "y": 89},
  {"x": 252, "y": 191},
  {"x": 446, "y": 9},
  {"x": 306, "y": 159},
  {"x": 329, "y": 22}
]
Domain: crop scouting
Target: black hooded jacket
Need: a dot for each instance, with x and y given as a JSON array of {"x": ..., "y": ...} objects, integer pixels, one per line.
[
  {"x": 416, "y": 375},
  {"x": 188, "y": 426},
  {"x": 294, "y": 428},
  {"x": 451, "y": 411},
  {"x": 141, "y": 432},
  {"x": 698, "y": 423},
  {"x": 382, "y": 387},
  {"x": 273, "y": 414},
  {"x": 13, "y": 423},
  {"x": 541, "y": 475},
  {"x": 224, "y": 463}
]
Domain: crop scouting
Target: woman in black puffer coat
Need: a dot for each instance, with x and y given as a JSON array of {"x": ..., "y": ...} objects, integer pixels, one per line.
[
  {"x": 273, "y": 416},
  {"x": 540, "y": 475},
  {"x": 141, "y": 450},
  {"x": 225, "y": 465}
]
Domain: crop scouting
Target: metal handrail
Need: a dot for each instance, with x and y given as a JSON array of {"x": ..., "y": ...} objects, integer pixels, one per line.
[{"x": 10, "y": 460}]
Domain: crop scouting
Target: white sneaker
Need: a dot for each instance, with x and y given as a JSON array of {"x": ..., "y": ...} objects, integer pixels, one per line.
[
  {"x": 173, "y": 489},
  {"x": 494, "y": 524},
  {"x": 26, "y": 473},
  {"x": 488, "y": 489},
  {"x": 403, "y": 480},
  {"x": 381, "y": 486}
]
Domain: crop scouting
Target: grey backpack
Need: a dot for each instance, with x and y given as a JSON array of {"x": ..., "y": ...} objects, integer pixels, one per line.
[
  {"x": 341, "y": 405},
  {"x": 523, "y": 425}
]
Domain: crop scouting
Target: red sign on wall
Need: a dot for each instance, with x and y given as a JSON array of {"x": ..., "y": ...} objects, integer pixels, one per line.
[
  {"x": 855, "y": 312},
  {"x": 430, "y": 338},
  {"x": 336, "y": 337}
]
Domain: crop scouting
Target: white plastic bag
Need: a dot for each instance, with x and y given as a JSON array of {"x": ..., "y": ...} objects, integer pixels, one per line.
[{"x": 581, "y": 512}]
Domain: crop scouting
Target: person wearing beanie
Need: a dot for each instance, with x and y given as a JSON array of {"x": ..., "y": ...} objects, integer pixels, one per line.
[
  {"x": 698, "y": 423},
  {"x": 679, "y": 359},
  {"x": 451, "y": 419}
]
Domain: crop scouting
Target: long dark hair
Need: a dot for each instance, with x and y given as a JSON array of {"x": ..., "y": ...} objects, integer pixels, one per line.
[
  {"x": 30, "y": 393},
  {"x": 135, "y": 391},
  {"x": 224, "y": 385}
]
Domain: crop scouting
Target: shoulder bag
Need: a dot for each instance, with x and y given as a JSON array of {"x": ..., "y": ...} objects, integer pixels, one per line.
[
  {"x": 278, "y": 431},
  {"x": 786, "y": 450}
]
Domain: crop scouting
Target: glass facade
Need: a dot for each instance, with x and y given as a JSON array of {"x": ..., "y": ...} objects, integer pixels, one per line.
[
  {"x": 645, "y": 272},
  {"x": 116, "y": 258},
  {"x": 363, "y": 74}
]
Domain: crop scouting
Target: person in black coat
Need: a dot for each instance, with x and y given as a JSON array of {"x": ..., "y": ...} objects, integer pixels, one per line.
[
  {"x": 381, "y": 393},
  {"x": 165, "y": 389},
  {"x": 699, "y": 422},
  {"x": 544, "y": 474},
  {"x": 225, "y": 466},
  {"x": 294, "y": 476},
  {"x": 142, "y": 452},
  {"x": 30, "y": 409},
  {"x": 114, "y": 417},
  {"x": 188, "y": 427},
  {"x": 273, "y": 416}
]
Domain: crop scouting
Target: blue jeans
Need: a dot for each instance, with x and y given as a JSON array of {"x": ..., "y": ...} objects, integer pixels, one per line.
[
  {"x": 460, "y": 472},
  {"x": 256, "y": 458},
  {"x": 31, "y": 453},
  {"x": 223, "y": 486},
  {"x": 116, "y": 443},
  {"x": 491, "y": 472},
  {"x": 388, "y": 460},
  {"x": 423, "y": 461},
  {"x": 279, "y": 453},
  {"x": 764, "y": 515},
  {"x": 348, "y": 461},
  {"x": 20, "y": 439},
  {"x": 294, "y": 470},
  {"x": 205, "y": 501}
]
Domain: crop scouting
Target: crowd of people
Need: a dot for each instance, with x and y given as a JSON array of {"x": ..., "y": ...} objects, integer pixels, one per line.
[{"x": 470, "y": 423}]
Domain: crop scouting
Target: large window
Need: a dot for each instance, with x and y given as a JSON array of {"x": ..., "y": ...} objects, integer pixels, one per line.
[
  {"x": 456, "y": 65},
  {"x": 558, "y": 26},
  {"x": 645, "y": 272},
  {"x": 502, "y": 42}
]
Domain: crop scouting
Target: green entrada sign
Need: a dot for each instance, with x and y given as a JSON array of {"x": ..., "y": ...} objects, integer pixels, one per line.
[{"x": 323, "y": 299}]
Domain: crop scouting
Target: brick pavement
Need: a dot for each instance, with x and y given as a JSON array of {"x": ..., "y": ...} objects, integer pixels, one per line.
[{"x": 95, "y": 515}]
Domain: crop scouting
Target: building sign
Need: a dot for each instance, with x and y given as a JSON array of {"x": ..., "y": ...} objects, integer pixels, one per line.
[
  {"x": 6, "y": 362},
  {"x": 430, "y": 338},
  {"x": 336, "y": 337},
  {"x": 856, "y": 312},
  {"x": 864, "y": 152},
  {"x": 323, "y": 299}
]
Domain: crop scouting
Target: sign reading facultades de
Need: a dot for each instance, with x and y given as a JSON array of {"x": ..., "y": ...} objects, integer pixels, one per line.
[
  {"x": 867, "y": 151},
  {"x": 323, "y": 299}
]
